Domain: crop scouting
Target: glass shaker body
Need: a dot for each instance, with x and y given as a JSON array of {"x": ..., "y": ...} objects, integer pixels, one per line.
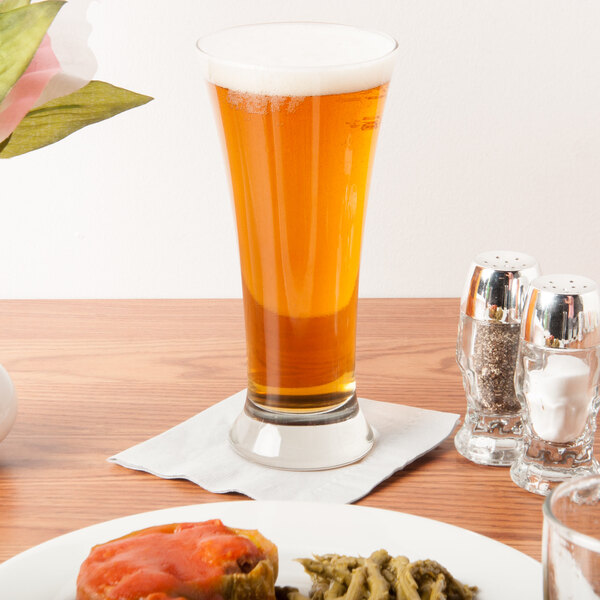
[
  {"x": 558, "y": 390},
  {"x": 486, "y": 352}
]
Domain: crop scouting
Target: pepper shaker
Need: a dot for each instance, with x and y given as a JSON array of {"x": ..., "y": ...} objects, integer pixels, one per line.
[
  {"x": 486, "y": 352},
  {"x": 557, "y": 381}
]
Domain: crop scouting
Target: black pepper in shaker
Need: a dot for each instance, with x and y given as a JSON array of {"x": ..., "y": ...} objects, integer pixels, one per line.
[{"x": 486, "y": 352}]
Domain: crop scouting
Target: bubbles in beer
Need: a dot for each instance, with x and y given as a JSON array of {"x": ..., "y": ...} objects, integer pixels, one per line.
[{"x": 261, "y": 105}]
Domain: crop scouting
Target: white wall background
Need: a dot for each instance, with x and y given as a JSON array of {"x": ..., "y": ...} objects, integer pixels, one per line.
[{"x": 490, "y": 140}]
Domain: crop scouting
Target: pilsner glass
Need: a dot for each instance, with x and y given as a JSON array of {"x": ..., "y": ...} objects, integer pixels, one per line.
[{"x": 300, "y": 107}]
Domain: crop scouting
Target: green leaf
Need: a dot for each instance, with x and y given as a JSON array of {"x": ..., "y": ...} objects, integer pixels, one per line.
[
  {"x": 21, "y": 32},
  {"x": 7, "y": 5},
  {"x": 60, "y": 117}
]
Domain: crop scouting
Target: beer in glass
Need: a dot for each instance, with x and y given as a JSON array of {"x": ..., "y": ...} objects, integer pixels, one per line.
[{"x": 300, "y": 107}]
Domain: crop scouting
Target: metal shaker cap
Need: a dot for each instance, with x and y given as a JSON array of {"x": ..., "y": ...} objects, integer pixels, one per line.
[
  {"x": 562, "y": 311},
  {"x": 497, "y": 286}
]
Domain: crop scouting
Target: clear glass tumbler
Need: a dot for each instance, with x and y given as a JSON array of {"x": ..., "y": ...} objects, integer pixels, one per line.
[
  {"x": 571, "y": 540},
  {"x": 300, "y": 107}
]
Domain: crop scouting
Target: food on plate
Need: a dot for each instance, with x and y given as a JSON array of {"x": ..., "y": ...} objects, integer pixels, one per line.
[
  {"x": 210, "y": 561},
  {"x": 379, "y": 577},
  {"x": 181, "y": 561}
]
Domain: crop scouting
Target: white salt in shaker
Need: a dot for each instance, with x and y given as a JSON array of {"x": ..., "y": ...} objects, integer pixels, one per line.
[
  {"x": 557, "y": 381},
  {"x": 486, "y": 352}
]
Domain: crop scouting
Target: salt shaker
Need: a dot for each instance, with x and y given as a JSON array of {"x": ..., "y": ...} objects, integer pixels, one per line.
[
  {"x": 557, "y": 381},
  {"x": 486, "y": 352}
]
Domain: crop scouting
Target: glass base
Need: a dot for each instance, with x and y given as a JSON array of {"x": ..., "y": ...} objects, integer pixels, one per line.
[
  {"x": 319, "y": 441},
  {"x": 543, "y": 465},
  {"x": 490, "y": 440}
]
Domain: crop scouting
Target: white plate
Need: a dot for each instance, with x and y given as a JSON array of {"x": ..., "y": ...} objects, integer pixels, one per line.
[{"x": 48, "y": 571}]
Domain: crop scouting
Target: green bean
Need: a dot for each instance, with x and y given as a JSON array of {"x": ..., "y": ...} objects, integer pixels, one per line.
[
  {"x": 357, "y": 589},
  {"x": 396, "y": 568},
  {"x": 455, "y": 589},
  {"x": 331, "y": 567},
  {"x": 319, "y": 587},
  {"x": 380, "y": 557},
  {"x": 379, "y": 577},
  {"x": 336, "y": 590},
  {"x": 405, "y": 585},
  {"x": 379, "y": 588},
  {"x": 433, "y": 589},
  {"x": 389, "y": 576}
]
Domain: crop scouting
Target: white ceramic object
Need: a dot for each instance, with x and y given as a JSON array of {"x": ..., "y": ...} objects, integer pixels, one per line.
[{"x": 8, "y": 403}]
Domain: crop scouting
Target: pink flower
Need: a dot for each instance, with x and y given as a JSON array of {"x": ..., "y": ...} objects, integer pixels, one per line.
[{"x": 25, "y": 93}]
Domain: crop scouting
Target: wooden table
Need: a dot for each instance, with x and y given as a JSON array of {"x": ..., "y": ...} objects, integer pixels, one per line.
[{"x": 95, "y": 377}]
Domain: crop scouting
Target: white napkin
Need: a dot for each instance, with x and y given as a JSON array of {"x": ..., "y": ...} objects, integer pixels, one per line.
[{"x": 198, "y": 450}]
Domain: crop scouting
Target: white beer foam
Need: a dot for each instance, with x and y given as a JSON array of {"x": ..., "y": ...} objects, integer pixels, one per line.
[{"x": 297, "y": 59}]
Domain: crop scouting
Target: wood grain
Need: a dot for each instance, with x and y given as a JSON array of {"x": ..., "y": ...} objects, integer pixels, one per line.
[{"x": 96, "y": 376}]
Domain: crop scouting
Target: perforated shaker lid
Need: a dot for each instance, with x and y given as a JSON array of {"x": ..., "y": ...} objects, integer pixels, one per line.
[
  {"x": 562, "y": 311},
  {"x": 497, "y": 286}
]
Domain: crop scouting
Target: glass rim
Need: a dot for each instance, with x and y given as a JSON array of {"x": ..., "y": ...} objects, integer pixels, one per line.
[
  {"x": 298, "y": 68},
  {"x": 582, "y": 540}
]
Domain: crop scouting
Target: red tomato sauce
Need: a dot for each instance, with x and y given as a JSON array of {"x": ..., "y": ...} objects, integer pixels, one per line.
[{"x": 167, "y": 562}]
